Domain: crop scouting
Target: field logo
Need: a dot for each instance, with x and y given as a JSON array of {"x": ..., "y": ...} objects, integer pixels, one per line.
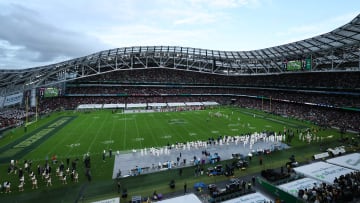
[
  {"x": 177, "y": 121},
  {"x": 167, "y": 137},
  {"x": 108, "y": 142},
  {"x": 126, "y": 119},
  {"x": 139, "y": 139},
  {"x": 25, "y": 144},
  {"x": 73, "y": 145},
  {"x": 37, "y": 136},
  {"x": 192, "y": 134}
]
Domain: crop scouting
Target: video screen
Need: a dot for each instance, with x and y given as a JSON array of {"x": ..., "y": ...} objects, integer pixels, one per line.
[
  {"x": 49, "y": 92},
  {"x": 294, "y": 65}
]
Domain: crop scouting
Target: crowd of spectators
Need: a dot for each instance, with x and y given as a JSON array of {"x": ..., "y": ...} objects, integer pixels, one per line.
[
  {"x": 323, "y": 99},
  {"x": 316, "y": 96},
  {"x": 323, "y": 116},
  {"x": 12, "y": 117},
  {"x": 289, "y": 95},
  {"x": 70, "y": 103},
  {"x": 328, "y": 80},
  {"x": 345, "y": 188}
]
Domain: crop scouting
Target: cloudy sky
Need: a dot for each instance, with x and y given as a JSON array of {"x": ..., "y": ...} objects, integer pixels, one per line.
[{"x": 42, "y": 32}]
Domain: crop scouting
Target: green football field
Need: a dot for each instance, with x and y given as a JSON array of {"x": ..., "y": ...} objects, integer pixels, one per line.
[
  {"x": 96, "y": 131},
  {"x": 71, "y": 134}
]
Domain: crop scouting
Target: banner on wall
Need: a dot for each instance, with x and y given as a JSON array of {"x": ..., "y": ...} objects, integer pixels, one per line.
[
  {"x": 13, "y": 99},
  {"x": 2, "y": 99}
]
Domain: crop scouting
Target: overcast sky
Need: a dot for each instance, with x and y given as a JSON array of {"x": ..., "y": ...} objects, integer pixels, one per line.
[{"x": 42, "y": 32}]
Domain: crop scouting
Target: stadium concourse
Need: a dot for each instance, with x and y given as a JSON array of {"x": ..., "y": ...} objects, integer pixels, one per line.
[{"x": 195, "y": 153}]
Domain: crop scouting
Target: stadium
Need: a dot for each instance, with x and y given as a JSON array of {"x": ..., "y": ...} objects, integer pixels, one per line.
[{"x": 95, "y": 128}]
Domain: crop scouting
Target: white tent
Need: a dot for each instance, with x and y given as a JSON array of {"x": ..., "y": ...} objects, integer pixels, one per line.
[
  {"x": 175, "y": 104},
  {"x": 89, "y": 106},
  {"x": 323, "y": 171},
  {"x": 188, "y": 198},
  {"x": 139, "y": 105},
  {"x": 113, "y": 200},
  {"x": 294, "y": 186},
  {"x": 210, "y": 103},
  {"x": 349, "y": 161},
  {"x": 113, "y": 106},
  {"x": 157, "y": 104},
  {"x": 193, "y": 104},
  {"x": 250, "y": 198}
]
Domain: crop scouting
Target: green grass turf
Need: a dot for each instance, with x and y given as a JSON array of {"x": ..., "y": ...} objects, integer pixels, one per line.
[{"x": 96, "y": 131}]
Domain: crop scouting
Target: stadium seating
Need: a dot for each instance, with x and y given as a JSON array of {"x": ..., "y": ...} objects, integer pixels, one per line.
[{"x": 329, "y": 99}]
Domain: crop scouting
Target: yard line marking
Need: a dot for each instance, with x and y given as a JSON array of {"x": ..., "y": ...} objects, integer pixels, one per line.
[
  {"x": 97, "y": 134},
  {"x": 138, "y": 134}
]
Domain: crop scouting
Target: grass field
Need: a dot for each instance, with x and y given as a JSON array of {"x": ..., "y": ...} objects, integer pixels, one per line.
[{"x": 72, "y": 134}]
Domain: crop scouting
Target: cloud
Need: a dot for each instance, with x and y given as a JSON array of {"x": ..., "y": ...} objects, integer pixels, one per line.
[
  {"x": 197, "y": 18},
  {"x": 149, "y": 35},
  {"x": 301, "y": 32},
  {"x": 222, "y": 4},
  {"x": 233, "y": 3},
  {"x": 26, "y": 37},
  {"x": 344, "y": 18},
  {"x": 199, "y": 12},
  {"x": 302, "y": 29}
]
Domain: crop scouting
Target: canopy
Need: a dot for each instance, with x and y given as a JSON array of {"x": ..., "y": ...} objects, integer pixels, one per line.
[
  {"x": 349, "y": 161},
  {"x": 250, "y": 198},
  {"x": 181, "y": 199},
  {"x": 323, "y": 171}
]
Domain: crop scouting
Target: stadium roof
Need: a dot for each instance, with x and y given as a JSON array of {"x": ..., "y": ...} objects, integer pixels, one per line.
[{"x": 336, "y": 50}]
